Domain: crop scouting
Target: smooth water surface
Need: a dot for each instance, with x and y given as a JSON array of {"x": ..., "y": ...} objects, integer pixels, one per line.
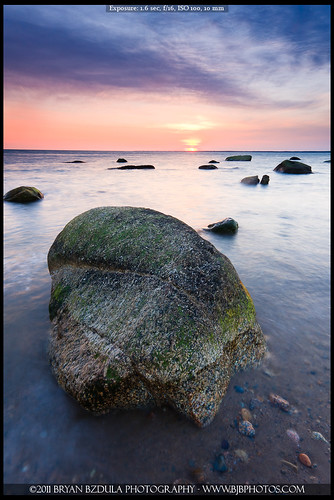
[{"x": 281, "y": 253}]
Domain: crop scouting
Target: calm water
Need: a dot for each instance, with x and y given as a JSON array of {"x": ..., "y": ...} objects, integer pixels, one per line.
[{"x": 281, "y": 252}]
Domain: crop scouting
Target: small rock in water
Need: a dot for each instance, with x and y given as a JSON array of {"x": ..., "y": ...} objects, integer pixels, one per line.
[
  {"x": 227, "y": 225},
  {"x": 277, "y": 400},
  {"x": 208, "y": 167},
  {"x": 265, "y": 179},
  {"x": 319, "y": 437},
  {"x": 293, "y": 435},
  {"x": 305, "y": 460},
  {"x": 242, "y": 455},
  {"x": 246, "y": 428},
  {"x": 238, "y": 388},
  {"x": 246, "y": 414},
  {"x": 220, "y": 464}
]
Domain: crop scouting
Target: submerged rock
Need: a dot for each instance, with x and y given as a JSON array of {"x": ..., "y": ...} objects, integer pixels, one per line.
[
  {"x": 251, "y": 180},
  {"x": 246, "y": 428},
  {"x": 135, "y": 167},
  {"x": 225, "y": 226},
  {"x": 219, "y": 464},
  {"x": 239, "y": 158},
  {"x": 305, "y": 459},
  {"x": 293, "y": 167},
  {"x": 145, "y": 313},
  {"x": 208, "y": 167},
  {"x": 75, "y": 161},
  {"x": 277, "y": 400},
  {"x": 23, "y": 194}
]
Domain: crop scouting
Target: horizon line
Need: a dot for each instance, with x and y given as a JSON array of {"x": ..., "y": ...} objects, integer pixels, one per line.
[{"x": 177, "y": 150}]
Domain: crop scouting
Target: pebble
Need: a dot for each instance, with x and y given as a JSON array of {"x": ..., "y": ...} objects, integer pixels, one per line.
[
  {"x": 293, "y": 435},
  {"x": 319, "y": 436},
  {"x": 198, "y": 475},
  {"x": 225, "y": 444},
  {"x": 277, "y": 400},
  {"x": 242, "y": 455},
  {"x": 220, "y": 464},
  {"x": 238, "y": 388},
  {"x": 246, "y": 414},
  {"x": 254, "y": 403},
  {"x": 246, "y": 428},
  {"x": 304, "y": 459}
]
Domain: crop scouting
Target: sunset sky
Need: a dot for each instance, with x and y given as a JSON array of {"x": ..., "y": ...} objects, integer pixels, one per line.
[{"x": 253, "y": 78}]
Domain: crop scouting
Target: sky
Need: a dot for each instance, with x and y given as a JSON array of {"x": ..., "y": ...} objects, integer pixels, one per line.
[{"x": 254, "y": 78}]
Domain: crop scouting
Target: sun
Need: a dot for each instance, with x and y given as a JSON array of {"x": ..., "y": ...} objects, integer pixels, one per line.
[{"x": 191, "y": 144}]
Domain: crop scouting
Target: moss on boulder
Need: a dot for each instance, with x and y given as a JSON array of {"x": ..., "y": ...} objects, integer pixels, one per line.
[{"x": 146, "y": 312}]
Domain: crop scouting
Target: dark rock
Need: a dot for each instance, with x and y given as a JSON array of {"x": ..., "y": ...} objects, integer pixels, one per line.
[
  {"x": 121, "y": 160},
  {"x": 239, "y": 158},
  {"x": 213, "y": 161},
  {"x": 293, "y": 167},
  {"x": 23, "y": 194},
  {"x": 327, "y": 161},
  {"x": 145, "y": 313},
  {"x": 135, "y": 167},
  {"x": 225, "y": 444},
  {"x": 75, "y": 161},
  {"x": 294, "y": 158},
  {"x": 265, "y": 179},
  {"x": 208, "y": 167},
  {"x": 227, "y": 225},
  {"x": 253, "y": 179}
]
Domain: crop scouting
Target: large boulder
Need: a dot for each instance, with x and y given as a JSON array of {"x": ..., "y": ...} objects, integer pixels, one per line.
[
  {"x": 23, "y": 194},
  {"x": 293, "y": 167},
  {"x": 239, "y": 158},
  {"x": 145, "y": 312}
]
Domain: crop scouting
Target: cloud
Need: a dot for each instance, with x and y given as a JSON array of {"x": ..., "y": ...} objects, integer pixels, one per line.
[
  {"x": 248, "y": 57},
  {"x": 198, "y": 124}
]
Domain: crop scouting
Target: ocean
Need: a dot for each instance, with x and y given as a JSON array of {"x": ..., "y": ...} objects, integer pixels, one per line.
[{"x": 281, "y": 253}]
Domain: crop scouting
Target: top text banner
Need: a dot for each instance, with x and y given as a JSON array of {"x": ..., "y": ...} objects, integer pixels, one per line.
[{"x": 166, "y": 8}]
